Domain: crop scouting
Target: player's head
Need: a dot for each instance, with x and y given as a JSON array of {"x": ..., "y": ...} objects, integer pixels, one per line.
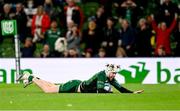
[{"x": 111, "y": 70}]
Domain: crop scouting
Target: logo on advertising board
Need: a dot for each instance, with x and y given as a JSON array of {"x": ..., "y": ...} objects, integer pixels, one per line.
[
  {"x": 163, "y": 74},
  {"x": 9, "y": 27},
  {"x": 140, "y": 74},
  {"x": 145, "y": 72},
  {"x": 4, "y": 75}
]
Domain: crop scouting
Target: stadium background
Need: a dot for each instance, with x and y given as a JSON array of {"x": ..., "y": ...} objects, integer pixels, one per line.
[
  {"x": 88, "y": 9},
  {"x": 156, "y": 96}
]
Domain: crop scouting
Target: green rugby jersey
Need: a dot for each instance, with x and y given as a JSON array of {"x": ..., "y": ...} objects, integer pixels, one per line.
[
  {"x": 51, "y": 37},
  {"x": 96, "y": 84}
]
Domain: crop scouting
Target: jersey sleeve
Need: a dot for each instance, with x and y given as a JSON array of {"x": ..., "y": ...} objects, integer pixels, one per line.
[
  {"x": 101, "y": 78},
  {"x": 119, "y": 87}
]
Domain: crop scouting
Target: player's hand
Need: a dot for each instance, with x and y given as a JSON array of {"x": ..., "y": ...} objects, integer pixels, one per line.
[{"x": 138, "y": 91}]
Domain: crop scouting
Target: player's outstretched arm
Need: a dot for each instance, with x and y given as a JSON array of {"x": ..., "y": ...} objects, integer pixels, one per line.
[{"x": 123, "y": 89}]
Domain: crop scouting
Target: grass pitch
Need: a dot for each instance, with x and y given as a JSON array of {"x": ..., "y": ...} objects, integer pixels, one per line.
[{"x": 155, "y": 97}]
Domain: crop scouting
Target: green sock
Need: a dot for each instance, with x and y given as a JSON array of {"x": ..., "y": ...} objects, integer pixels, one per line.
[{"x": 30, "y": 78}]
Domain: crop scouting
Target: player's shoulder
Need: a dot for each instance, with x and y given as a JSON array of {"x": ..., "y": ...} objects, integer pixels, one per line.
[{"x": 101, "y": 73}]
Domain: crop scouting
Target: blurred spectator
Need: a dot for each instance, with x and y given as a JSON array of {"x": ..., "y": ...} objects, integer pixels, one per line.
[
  {"x": 28, "y": 48},
  {"x": 143, "y": 44},
  {"x": 73, "y": 13},
  {"x": 65, "y": 54},
  {"x": 127, "y": 38},
  {"x": 166, "y": 12},
  {"x": 142, "y": 5},
  {"x": 129, "y": 11},
  {"x": 6, "y": 15},
  {"x": 100, "y": 17},
  {"x": 40, "y": 23},
  {"x": 101, "y": 30},
  {"x": 120, "y": 52},
  {"x": 110, "y": 38},
  {"x": 118, "y": 8},
  {"x": 163, "y": 35},
  {"x": 177, "y": 38},
  {"x": 48, "y": 7},
  {"x": 72, "y": 53},
  {"x": 88, "y": 53},
  {"x": 161, "y": 51},
  {"x": 46, "y": 52},
  {"x": 51, "y": 35},
  {"x": 117, "y": 3},
  {"x": 73, "y": 38},
  {"x": 70, "y": 25},
  {"x": 101, "y": 53},
  {"x": 58, "y": 13},
  {"x": 92, "y": 37},
  {"x": 30, "y": 11},
  {"x": 21, "y": 19},
  {"x": 52, "y": 10},
  {"x": 60, "y": 47},
  {"x": 107, "y": 6}
]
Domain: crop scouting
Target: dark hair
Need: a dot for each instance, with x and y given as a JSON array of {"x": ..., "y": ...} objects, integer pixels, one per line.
[{"x": 111, "y": 18}]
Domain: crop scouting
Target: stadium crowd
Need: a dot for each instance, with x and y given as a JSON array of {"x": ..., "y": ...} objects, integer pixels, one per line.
[{"x": 117, "y": 28}]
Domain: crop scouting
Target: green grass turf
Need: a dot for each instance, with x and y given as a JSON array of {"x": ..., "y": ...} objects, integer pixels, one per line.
[{"x": 155, "y": 97}]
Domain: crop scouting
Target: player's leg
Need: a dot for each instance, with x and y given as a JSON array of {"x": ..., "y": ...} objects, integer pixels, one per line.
[
  {"x": 47, "y": 87},
  {"x": 46, "y": 82},
  {"x": 70, "y": 86}
]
